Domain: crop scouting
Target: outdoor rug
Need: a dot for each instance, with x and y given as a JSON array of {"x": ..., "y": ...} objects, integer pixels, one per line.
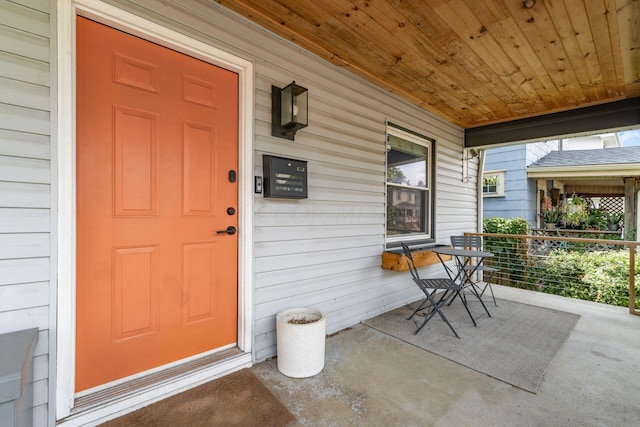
[
  {"x": 238, "y": 399},
  {"x": 515, "y": 345}
]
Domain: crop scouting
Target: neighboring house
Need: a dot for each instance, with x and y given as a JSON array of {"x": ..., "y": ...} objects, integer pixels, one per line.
[
  {"x": 609, "y": 177},
  {"x": 134, "y": 232},
  {"x": 507, "y": 191},
  {"x": 591, "y": 142},
  {"x": 511, "y": 191}
]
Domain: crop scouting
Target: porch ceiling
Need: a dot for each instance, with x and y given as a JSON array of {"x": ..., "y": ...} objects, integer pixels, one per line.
[{"x": 472, "y": 62}]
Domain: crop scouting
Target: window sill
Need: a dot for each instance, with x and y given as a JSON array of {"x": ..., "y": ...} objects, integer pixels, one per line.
[{"x": 413, "y": 245}]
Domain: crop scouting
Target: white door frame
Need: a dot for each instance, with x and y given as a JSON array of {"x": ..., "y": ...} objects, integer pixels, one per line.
[{"x": 64, "y": 353}]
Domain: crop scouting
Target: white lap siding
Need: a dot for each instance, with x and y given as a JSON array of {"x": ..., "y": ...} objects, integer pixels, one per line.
[{"x": 25, "y": 182}]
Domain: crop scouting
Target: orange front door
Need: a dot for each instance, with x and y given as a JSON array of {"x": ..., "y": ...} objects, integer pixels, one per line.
[{"x": 157, "y": 154}]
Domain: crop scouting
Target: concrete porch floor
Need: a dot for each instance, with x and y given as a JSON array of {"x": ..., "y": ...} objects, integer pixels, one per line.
[{"x": 372, "y": 379}]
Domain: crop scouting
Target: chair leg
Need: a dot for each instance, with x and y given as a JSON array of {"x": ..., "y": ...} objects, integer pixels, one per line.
[
  {"x": 473, "y": 290},
  {"x": 488, "y": 284},
  {"x": 464, "y": 302},
  {"x": 422, "y": 306},
  {"x": 436, "y": 309},
  {"x": 491, "y": 289}
]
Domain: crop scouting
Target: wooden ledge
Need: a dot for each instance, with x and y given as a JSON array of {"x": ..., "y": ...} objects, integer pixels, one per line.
[{"x": 398, "y": 261}]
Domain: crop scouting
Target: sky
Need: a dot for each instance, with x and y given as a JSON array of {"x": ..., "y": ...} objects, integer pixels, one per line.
[{"x": 629, "y": 138}]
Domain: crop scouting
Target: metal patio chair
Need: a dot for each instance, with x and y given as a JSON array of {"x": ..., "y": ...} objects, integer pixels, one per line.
[
  {"x": 475, "y": 243},
  {"x": 430, "y": 287}
]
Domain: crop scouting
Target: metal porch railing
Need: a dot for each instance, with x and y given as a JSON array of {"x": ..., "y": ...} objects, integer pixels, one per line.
[{"x": 600, "y": 270}]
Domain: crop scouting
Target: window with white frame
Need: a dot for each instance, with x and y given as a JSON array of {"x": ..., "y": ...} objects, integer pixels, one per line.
[
  {"x": 409, "y": 185},
  {"x": 493, "y": 184}
]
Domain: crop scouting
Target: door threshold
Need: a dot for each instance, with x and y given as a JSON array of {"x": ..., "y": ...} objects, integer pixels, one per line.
[{"x": 159, "y": 385}]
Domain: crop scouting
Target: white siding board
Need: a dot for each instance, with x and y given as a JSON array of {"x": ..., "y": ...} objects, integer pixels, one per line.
[
  {"x": 24, "y": 44},
  {"x": 334, "y": 183},
  {"x": 23, "y": 245},
  {"x": 14, "y": 271},
  {"x": 25, "y": 175},
  {"x": 22, "y": 94},
  {"x": 25, "y": 19},
  {"x": 271, "y": 278},
  {"x": 335, "y": 277},
  {"x": 42, "y": 348},
  {"x": 347, "y": 283},
  {"x": 20, "y": 169},
  {"x": 311, "y": 258},
  {"x": 336, "y": 194},
  {"x": 345, "y": 178},
  {"x": 19, "y": 144},
  {"x": 295, "y": 246},
  {"x": 16, "y": 320},
  {"x": 393, "y": 295},
  {"x": 40, "y": 367},
  {"x": 346, "y": 316},
  {"x": 24, "y": 119},
  {"x": 342, "y": 298},
  {"x": 40, "y": 392},
  {"x": 24, "y": 69},
  {"x": 265, "y": 234},
  {"x": 41, "y": 5},
  {"x": 345, "y": 145},
  {"x": 40, "y": 415},
  {"x": 315, "y": 207},
  {"x": 24, "y": 220},
  {"x": 305, "y": 146},
  {"x": 25, "y": 295},
  {"x": 21, "y": 195},
  {"x": 291, "y": 219},
  {"x": 369, "y": 176}
]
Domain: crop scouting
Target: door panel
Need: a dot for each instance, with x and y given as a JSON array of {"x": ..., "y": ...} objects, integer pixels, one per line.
[{"x": 156, "y": 138}]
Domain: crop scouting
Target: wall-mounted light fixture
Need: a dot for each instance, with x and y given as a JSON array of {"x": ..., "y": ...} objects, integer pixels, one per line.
[
  {"x": 468, "y": 154},
  {"x": 289, "y": 110}
]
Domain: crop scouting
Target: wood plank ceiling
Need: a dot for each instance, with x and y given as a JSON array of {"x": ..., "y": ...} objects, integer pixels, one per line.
[{"x": 472, "y": 62}]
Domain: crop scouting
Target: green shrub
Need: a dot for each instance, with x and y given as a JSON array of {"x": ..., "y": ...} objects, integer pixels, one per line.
[
  {"x": 498, "y": 225},
  {"x": 594, "y": 276},
  {"x": 510, "y": 254},
  {"x": 572, "y": 271}
]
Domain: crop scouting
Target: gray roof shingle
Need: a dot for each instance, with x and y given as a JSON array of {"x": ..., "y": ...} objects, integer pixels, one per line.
[{"x": 606, "y": 156}]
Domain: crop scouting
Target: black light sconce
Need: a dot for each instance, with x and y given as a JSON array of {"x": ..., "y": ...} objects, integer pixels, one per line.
[{"x": 289, "y": 110}]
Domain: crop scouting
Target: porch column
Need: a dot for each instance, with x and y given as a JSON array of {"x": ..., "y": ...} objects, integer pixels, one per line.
[{"x": 631, "y": 188}]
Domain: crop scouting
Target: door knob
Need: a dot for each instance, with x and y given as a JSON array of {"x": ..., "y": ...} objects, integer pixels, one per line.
[{"x": 231, "y": 230}]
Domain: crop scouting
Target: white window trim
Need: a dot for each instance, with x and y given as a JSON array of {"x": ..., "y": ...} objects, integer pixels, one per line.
[
  {"x": 500, "y": 188},
  {"x": 426, "y": 142}
]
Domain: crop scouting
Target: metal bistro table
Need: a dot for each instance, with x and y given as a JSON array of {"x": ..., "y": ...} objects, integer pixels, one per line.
[{"x": 464, "y": 275}]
